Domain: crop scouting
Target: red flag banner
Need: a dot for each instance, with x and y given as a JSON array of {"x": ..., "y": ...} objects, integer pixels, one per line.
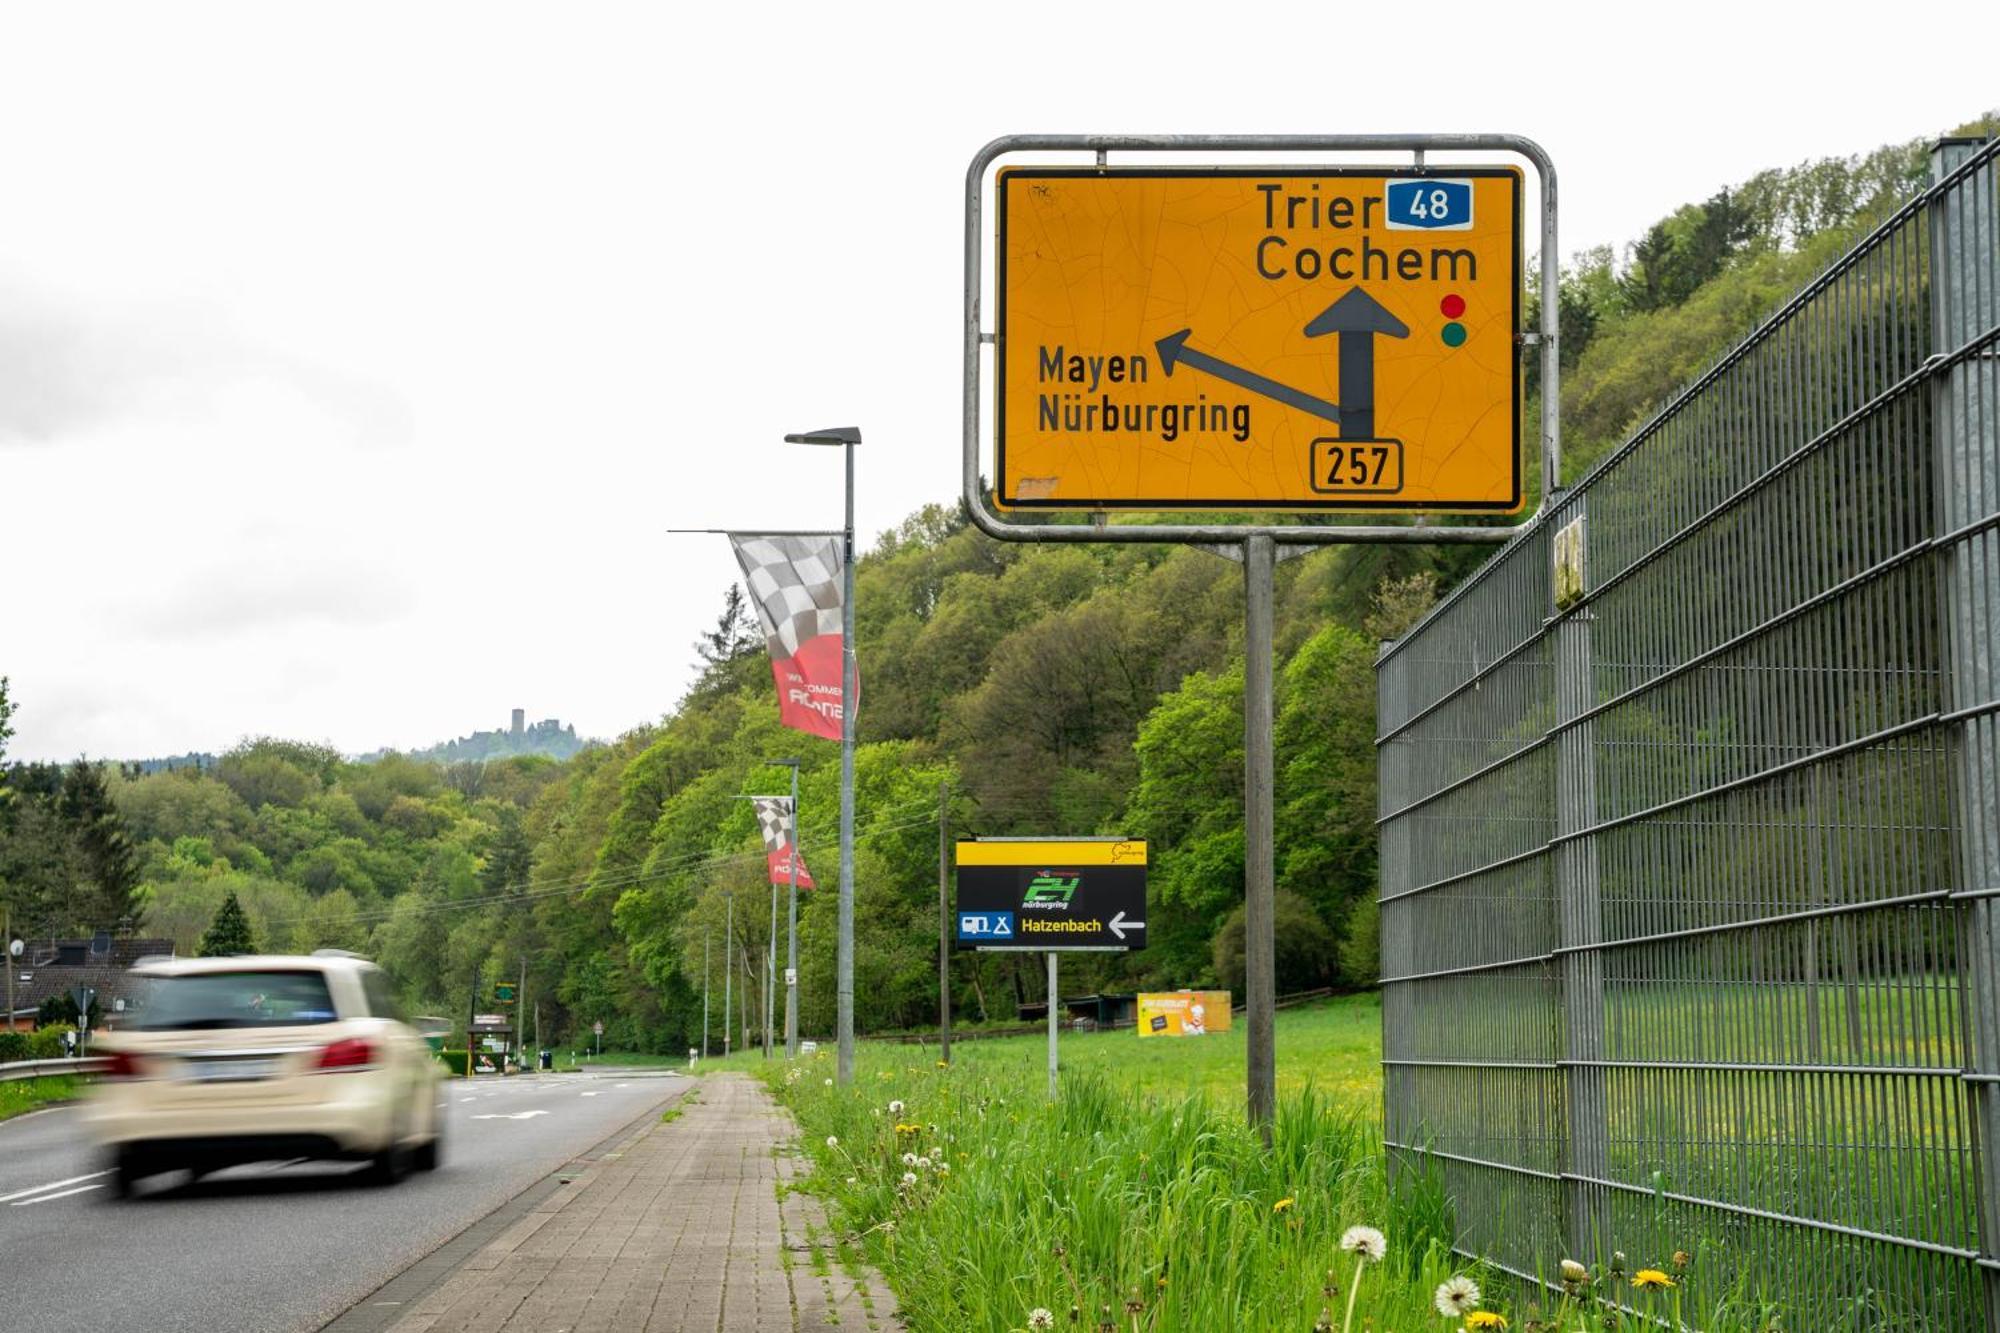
[
  {"x": 774, "y": 819},
  {"x": 795, "y": 584}
]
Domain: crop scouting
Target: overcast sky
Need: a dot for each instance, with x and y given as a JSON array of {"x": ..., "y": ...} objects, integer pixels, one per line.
[{"x": 354, "y": 359}]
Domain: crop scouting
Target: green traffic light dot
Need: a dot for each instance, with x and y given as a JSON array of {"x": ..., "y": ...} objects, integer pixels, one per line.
[{"x": 1454, "y": 334}]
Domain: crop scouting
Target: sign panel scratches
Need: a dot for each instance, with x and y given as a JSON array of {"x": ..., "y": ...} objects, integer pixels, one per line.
[{"x": 1223, "y": 338}]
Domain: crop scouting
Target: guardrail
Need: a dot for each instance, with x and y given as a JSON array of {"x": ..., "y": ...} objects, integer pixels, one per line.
[{"x": 76, "y": 1064}]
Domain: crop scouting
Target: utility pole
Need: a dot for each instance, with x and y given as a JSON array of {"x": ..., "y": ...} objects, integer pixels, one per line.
[
  {"x": 704, "y": 994},
  {"x": 944, "y": 922},
  {"x": 520, "y": 1007},
  {"x": 729, "y": 935},
  {"x": 792, "y": 929},
  {"x": 7, "y": 955}
]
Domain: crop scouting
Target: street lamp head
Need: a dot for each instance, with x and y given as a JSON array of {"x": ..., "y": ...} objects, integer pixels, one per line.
[{"x": 827, "y": 435}]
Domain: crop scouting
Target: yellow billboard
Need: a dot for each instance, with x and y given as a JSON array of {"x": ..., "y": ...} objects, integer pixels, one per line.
[
  {"x": 1183, "y": 1013},
  {"x": 1226, "y": 338}
]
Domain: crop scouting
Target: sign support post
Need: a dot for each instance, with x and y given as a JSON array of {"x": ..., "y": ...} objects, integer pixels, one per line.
[
  {"x": 1259, "y": 946},
  {"x": 728, "y": 943},
  {"x": 1053, "y": 1004}
]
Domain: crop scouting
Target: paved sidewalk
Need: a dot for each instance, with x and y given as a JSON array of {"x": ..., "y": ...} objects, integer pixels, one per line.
[{"x": 680, "y": 1229}]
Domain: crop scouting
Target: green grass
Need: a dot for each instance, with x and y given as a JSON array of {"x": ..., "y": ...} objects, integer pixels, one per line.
[
  {"x": 565, "y": 1059},
  {"x": 1143, "y": 1190},
  {"x": 19, "y": 1096}
]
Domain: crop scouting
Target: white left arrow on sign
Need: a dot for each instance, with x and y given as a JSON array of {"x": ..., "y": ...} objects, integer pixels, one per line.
[{"x": 1118, "y": 925}]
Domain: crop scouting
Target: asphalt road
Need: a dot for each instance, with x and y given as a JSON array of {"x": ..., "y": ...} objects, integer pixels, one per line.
[{"x": 270, "y": 1249}]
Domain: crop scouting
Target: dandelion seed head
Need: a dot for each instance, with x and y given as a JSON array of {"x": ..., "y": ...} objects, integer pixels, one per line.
[
  {"x": 1456, "y": 1296},
  {"x": 1367, "y": 1242},
  {"x": 1040, "y": 1318}
]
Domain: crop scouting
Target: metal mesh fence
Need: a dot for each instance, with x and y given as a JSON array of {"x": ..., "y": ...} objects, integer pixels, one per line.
[{"x": 1690, "y": 822}]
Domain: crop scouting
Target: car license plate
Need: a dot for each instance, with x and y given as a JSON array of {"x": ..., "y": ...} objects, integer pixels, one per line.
[{"x": 230, "y": 1071}]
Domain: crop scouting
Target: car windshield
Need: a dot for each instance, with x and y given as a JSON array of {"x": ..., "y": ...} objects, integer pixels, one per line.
[{"x": 237, "y": 1000}]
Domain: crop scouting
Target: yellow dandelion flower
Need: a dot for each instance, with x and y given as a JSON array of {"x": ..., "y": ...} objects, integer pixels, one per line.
[
  {"x": 1648, "y": 1278},
  {"x": 1485, "y": 1319},
  {"x": 1282, "y": 1205}
]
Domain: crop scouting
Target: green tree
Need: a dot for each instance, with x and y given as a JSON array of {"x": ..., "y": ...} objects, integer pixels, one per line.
[
  {"x": 229, "y": 933},
  {"x": 6, "y": 733},
  {"x": 106, "y": 894}
]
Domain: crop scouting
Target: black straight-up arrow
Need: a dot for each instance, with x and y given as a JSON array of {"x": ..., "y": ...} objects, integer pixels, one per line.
[{"x": 1357, "y": 317}]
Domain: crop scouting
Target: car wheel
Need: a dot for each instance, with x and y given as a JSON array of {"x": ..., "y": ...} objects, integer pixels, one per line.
[
  {"x": 388, "y": 1166},
  {"x": 124, "y": 1175},
  {"x": 431, "y": 1151}
]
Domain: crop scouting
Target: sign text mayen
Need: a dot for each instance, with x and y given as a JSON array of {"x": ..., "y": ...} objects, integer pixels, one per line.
[
  {"x": 1203, "y": 338},
  {"x": 1055, "y": 894}
]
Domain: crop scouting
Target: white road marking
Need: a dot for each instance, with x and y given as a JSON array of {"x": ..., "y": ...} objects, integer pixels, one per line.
[
  {"x": 518, "y": 1115},
  {"x": 587, "y": 1094},
  {"x": 52, "y": 1185},
  {"x": 463, "y": 1100},
  {"x": 80, "y": 1189}
]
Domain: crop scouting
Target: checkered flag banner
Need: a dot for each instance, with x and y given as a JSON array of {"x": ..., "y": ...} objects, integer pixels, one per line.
[
  {"x": 795, "y": 585},
  {"x": 774, "y": 820}
]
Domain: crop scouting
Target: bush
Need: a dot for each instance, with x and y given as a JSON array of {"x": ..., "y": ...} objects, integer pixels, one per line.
[
  {"x": 13, "y": 1046},
  {"x": 47, "y": 1042},
  {"x": 1306, "y": 949}
]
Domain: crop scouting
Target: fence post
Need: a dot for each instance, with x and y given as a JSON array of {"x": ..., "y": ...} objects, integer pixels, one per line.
[
  {"x": 1965, "y": 302},
  {"x": 1586, "y": 1149}
]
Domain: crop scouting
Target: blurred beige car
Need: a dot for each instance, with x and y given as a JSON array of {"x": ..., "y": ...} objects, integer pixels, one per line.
[{"x": 252, "y": 1059}]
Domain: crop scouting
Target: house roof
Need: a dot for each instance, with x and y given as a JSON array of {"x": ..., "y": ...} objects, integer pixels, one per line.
[{"x": 55, "y": 967}]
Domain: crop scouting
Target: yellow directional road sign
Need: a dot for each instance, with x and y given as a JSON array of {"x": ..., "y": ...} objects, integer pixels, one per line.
[{"x": 1222, "y": 338}]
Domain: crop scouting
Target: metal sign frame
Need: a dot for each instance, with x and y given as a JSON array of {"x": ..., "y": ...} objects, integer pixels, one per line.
[{"x": 1419, "y": 145}]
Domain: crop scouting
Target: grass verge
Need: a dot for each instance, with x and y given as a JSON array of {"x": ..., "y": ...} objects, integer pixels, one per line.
[
  {"x": 19, "y": 1096},
  {"x": 1139, "y": 1201}
]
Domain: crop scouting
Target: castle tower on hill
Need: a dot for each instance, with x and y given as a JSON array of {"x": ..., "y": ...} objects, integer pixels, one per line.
[{"x": 520, "y": 717}]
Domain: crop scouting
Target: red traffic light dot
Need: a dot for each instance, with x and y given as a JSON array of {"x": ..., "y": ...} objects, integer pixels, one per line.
[{"x": 1453, "y": 306}]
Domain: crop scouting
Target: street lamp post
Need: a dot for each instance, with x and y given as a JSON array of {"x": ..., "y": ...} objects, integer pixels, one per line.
[{"x": 846, "y": 437}]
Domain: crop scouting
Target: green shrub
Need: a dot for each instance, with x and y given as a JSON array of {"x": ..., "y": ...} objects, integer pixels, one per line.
[
  {"x": 47, "y": 1042},
  {"x": 13, "y": 1046}
]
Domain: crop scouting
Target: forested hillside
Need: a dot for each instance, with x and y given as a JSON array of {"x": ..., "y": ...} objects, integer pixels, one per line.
[{"x": 1055, "y": 690}]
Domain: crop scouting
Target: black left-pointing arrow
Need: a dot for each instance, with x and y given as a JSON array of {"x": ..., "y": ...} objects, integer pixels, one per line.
[{"x": 1173, "y": 349}]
